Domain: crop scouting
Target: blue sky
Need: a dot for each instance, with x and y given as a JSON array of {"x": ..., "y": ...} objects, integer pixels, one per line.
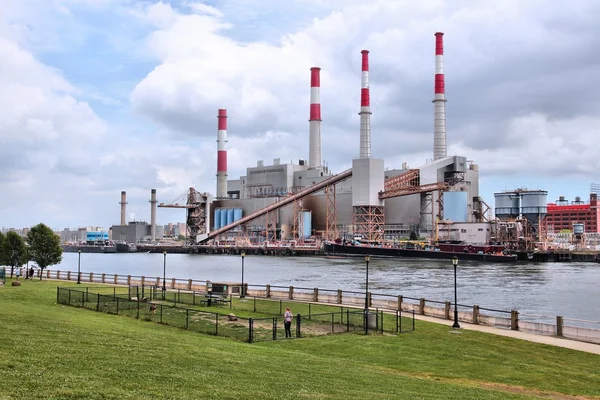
[{"x": 100, "y": 96}]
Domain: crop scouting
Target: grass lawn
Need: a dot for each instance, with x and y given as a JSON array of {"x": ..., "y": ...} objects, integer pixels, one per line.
[{"x": 52, "y": 351}]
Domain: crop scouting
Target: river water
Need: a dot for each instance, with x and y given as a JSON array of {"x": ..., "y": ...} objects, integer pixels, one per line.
[{"x": 549, "y": 289}]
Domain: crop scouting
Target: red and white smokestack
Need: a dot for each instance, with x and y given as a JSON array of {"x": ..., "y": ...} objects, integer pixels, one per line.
[
  {"x": 439, "y": 101},
  {"x": 314, "y": 140},
  {"x": 222, "y": 154},
  {"x": 365, "y": 109}
]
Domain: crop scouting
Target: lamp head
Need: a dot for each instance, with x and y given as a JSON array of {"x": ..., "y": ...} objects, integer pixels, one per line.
[
  {"x": 367, "y": 258},
  {"x": 455, "y": 261},
  {"x": 243, "y": 254},
  {"x": 79, "y": 251},
  {"x": 164, "y": 252}
]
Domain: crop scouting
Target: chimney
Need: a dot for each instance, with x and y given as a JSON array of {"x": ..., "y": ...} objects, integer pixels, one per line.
[
  {"x": 314, "y": 141},
  {"x": 365, "y": 109},
  {"x": 222, "y": 154},
  {"x": 123, "y": 207},
  {"x": 439, "y": 101},
  {"x": 153, "y": 214}
]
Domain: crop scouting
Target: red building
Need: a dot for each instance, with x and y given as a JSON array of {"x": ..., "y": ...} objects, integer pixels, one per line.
[{"x": 562, "y": 215}]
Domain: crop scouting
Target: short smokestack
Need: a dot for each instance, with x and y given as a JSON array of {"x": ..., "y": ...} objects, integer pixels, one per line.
[
  {"x": 123, "y": 204},
  {"x": 314, "y": 151},
  {"x": 439, "y": 101},
  {"x": 153, "y": 214},
  {"x": 222, "y": 154},
  {"x": 365, "y": 109}
]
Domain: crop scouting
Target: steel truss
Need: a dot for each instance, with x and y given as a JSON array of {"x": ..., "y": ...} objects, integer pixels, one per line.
[
  {"x": 297, "y": 233},
  {"x": 271, "y": 226},
  {"x": 331, "y": 232},
  {"x": 369, "y": 222}
]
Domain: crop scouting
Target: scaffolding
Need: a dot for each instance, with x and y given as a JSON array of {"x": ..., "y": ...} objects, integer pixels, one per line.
[
  {"x": 369, "y": 222},
  {"x": 331, "y": 232}
]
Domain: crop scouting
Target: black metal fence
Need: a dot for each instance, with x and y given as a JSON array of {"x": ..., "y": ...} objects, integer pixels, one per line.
[{"x": 219, "y": 324}]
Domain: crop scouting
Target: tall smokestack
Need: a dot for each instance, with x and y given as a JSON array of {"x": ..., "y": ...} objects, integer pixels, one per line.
[
  {"x": 153, "y": 214},
  {"x": 365, "y": 109},
  {"x": 222, "y": 154},
  {"x": 314, "y": 151},
  {"x": 439, "y": 101},
  {"x": 123, "y": 207}
]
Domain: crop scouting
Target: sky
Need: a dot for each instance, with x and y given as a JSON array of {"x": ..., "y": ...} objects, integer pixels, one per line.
[{"x": 100, "y": 96}]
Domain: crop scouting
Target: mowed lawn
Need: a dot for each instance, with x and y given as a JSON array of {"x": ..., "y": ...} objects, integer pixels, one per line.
[{"x": 51, "y": 351}]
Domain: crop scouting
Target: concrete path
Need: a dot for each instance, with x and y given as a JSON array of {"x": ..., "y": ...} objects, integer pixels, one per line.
[{"x": 549, "y": 340}]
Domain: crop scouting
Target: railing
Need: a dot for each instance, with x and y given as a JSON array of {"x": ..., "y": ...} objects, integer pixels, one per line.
[{"x": 560, "y": 326}]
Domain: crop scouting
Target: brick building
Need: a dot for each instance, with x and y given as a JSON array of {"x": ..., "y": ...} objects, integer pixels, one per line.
[{"x": 562, "y": 215}]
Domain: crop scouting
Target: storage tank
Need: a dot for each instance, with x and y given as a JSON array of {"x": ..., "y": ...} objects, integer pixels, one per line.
[
  {"x": 578, "y": 228},
  {"x": 455, "y": 206},
  {"x": 534, "y": 205},
  {"x": 237, "y": 214},
  {"x": 306, "y": 224},
  {"x": 217, "y": 218},
  {"x": 223, "y": 217},
  {"x": 229, "y": 216},
  {"x": 506, "y": 205}
]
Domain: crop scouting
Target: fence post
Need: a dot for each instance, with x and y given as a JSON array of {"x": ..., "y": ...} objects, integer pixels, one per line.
[
  {"x": 97, "y": 301},
  {"x": 316, "y": 295},
  {"x": 514, "y": 320},
  {"x": 347, "y": 320},
  {"x": 216, "y": 324},
  {"x": 189, "y": 284},
  {"x": 339, "y": 296},
  {"x": 559, "y": 326},
  {"x": 475, "y": 314},
  {"x": 143, "y": 281},
  {"x": 57, "y": 294},
  {"x": 128, "y": 280},
  {"x": 447, "y": 307},
  {"x": 370, "y": 300},
  {"x": 173, "y": 283},
  {"x": 117, "y": 306},
  {"x": 274, "y": 328},
  {"x": 422, "y": 306},
  {"x": 398, "y": 330},
  {"x": 291, "y": 294},
  {"x": 400, "y": 299},
  {"x": 268, "y": 291},
  {"x": 298, "y": 324},
  {"x": 103, "y": 278},
  {"x": 250, "y": 335},
  {"x": 116, "y": 279},
  {"x": 69, "y": 275}
]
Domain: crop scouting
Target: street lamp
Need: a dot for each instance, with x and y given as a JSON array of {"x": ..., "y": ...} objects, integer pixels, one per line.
[
  {"x": 242, "y": 294},
  {"x": 79, "y": 267},
  {"x": 164, "y": 288},
  {"x": 367, "y": 259},
  {"x": 455, "y": 325}
]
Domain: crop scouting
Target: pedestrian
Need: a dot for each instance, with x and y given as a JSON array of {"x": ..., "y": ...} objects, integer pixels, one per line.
[{"x": 287, "y": 322}]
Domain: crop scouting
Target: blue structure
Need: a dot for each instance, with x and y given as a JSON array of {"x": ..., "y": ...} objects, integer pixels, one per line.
[
  {"x": 96, "y": 236},
  {"x": 229, "y": 216},
  {"x": 455, "y": 206},
  {"x": 223, "y": 217},
  {"x": 217, "y": 220},
  {"x": 237, "y": 214},
  {"x": 306, "y": 224}
]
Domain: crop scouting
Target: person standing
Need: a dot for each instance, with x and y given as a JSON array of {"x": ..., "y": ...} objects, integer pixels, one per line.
[{"x": 287, "y": 322}]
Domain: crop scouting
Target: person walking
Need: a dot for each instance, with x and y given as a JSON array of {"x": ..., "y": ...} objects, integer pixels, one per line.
[{"x": 287, "y": 322}]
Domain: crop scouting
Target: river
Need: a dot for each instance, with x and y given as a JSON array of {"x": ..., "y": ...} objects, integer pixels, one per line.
[{"x": 549, "y": 289}]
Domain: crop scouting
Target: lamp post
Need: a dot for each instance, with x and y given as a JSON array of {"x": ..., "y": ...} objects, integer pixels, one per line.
[
  {"x": 242, "y": 293},
  {"x": 79, "y": 266},
  {"x": 367, "y": 259},
  {"x": 164, "y": 287},
  {"x": 455, "y": 325}
]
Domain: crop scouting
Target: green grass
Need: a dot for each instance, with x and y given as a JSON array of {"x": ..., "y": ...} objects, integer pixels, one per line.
[{"x": 52, "y": 351}]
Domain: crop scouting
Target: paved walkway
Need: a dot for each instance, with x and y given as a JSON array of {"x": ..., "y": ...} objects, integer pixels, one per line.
[{"x": 532, "y": 337}]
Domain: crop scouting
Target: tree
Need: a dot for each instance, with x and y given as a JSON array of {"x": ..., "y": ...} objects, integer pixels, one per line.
[
  {"x": 1, "y": 251},
  {"x": 44, "y": 247},
  {"x": 14, "y": 251},
  {"x": 413, "y": 236}
]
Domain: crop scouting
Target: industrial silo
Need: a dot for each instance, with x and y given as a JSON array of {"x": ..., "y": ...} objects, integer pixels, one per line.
[
  {"x": 506, "y": 205},
  {"x": 229, "y": 216},
  {"x": 306, "y": 224},
  {"x": 217, "y": 220},
  {"x": 534, "y": 205},
  {"x": 223, "y": 217},
  {"x": 455, "y": 206},
  {"x": 237, "y": 214}
]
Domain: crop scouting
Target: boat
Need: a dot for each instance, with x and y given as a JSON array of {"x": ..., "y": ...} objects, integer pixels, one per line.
[
  {"x": 84, "y": 248},
  {"x": 441, "y": 252}
]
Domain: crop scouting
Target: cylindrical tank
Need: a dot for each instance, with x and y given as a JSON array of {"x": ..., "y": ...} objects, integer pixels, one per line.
[
  {"x": 306, "y": 224},
  {"x": 237, "y": 214},
  {"x": 455, "y": 206},
  {"x": 534, "y": 205},
  {"x": 223, "y": 217},
  {"x": 217, "y": 221},
  {"x": 506, "y": 205},
  {"x": 578, "y": 228},
  {"x": 229, "y": 216}
]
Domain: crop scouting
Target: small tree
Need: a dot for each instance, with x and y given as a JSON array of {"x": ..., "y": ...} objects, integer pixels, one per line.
[
  {"x": 1, "y": 250},
  {"x": 14, "y": 251},
  {"x": 44, "y": 247},
  {"x": 413, "y": 236}
]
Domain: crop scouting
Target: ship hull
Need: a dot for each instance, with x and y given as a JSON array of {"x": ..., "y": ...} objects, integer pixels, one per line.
[{"x": 339, "y": 249}]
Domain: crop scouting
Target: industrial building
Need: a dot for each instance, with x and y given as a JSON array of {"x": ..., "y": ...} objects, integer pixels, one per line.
[
  {"x": 137, "y": 231},
  {"x": 563, "y": 215}
]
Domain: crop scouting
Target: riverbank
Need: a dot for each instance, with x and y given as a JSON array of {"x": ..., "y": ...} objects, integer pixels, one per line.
[{"x": 429, "y": 363}]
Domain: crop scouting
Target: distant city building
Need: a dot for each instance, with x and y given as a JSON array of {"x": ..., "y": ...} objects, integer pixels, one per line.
[
  {"x": 135, "y": 232},
  {"x": 563, "y": 214}
]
